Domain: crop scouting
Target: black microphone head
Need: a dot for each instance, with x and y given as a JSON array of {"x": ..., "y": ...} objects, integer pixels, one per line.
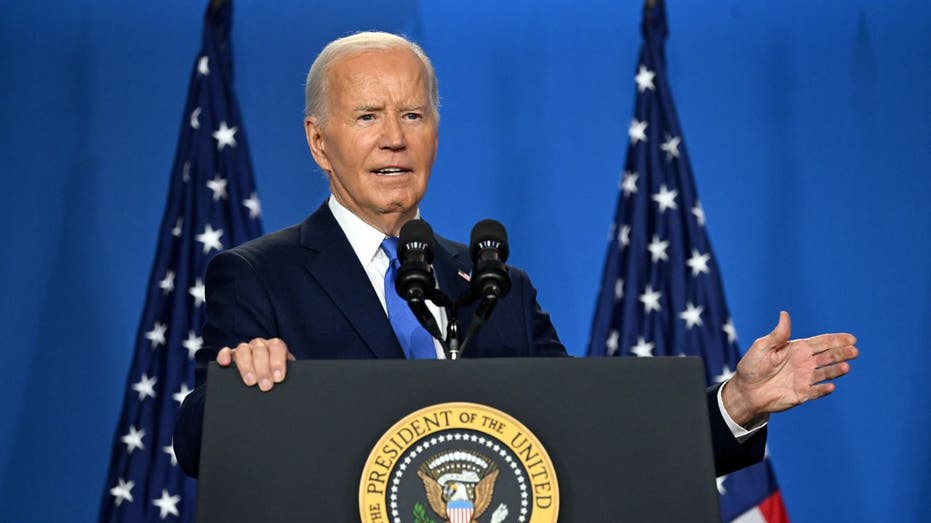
[
  {"x": 416, "y": 234},
  {"x": 489, "y": 234}
]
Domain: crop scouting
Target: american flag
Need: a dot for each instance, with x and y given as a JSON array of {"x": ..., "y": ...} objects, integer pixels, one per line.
[
  {"x": 661, "y": 291},
  {"x": 212, "y": 205}
]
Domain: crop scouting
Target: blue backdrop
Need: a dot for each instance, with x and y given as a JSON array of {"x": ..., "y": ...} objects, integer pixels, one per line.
[{"x": 807, "y": 123}]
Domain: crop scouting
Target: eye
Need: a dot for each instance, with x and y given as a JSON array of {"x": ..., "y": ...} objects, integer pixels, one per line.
[
  {"x": 412, "y": 116},
  {"x": 366, "y": 117}
]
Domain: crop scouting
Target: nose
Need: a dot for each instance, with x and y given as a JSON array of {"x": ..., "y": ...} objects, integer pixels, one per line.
[{"x": 392, "y": 138}]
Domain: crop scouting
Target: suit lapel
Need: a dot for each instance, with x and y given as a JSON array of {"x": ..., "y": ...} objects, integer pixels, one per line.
[
  {"x": 335, "y": 267},
  {"x": 449, "y": 267}
]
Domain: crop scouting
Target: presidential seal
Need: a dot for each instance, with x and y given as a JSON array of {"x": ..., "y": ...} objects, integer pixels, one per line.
[{"x": 458, "y": 463}]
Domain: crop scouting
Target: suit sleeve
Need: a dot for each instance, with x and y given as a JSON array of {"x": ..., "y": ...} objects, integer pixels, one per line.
[
  {"x": 729, "y": 454},
  {"x": 238, "y": 309}
]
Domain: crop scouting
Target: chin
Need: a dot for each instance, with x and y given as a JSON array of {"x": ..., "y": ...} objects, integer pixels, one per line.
[
  {"x": 402, "y": 200},
  {"x": 400, "y": 207}
]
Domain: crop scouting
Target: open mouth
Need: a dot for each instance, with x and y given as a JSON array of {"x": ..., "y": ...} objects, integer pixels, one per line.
[{"x": 391, "y": 171}]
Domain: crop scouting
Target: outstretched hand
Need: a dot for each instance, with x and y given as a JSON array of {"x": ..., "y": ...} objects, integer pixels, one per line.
[{"x": 777, "y": 374}]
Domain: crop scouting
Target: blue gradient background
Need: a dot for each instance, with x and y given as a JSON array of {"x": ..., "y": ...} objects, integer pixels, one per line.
[{"x": 807, "y": 123}]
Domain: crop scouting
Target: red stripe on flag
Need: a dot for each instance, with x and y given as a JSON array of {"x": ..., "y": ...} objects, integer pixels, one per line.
[{"x": 773, "y": 509}]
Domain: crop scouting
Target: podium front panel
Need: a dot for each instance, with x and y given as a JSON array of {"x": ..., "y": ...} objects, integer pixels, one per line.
[{"x": 629, "y": 438}]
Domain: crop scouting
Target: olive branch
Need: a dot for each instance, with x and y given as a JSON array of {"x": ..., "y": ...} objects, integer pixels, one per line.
[{"x": 420, "y": 514}]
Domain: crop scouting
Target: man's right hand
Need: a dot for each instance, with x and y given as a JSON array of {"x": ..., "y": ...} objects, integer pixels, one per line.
[{"x": 259, "y": 362}]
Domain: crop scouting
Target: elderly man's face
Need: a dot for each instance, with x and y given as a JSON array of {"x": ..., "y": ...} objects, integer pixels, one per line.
[{"x": 380, "y": 137}]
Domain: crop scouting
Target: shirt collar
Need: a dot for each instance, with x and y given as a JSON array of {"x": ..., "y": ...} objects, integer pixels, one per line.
[{"x": 364, "y": 239}]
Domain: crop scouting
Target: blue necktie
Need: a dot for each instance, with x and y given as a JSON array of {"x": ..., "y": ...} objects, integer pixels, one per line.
[{"x": 415, "y": 340}]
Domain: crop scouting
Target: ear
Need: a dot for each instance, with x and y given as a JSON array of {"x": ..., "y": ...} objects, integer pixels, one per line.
[{"x": 316, "y": 142}]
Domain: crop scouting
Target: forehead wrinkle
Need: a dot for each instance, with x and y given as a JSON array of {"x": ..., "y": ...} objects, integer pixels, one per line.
[{"x": 349, "y": 81}]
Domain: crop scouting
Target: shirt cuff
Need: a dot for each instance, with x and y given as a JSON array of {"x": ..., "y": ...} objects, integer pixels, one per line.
[{"x": 740, "y": 433}]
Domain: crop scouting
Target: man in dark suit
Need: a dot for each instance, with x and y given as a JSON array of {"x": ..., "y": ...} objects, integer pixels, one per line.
[{"x": 318, "y": 289}]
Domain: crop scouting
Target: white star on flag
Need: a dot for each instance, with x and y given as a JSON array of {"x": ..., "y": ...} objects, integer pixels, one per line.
[
  {"x": 170, "y": 450},
  {"x": 157, "y": 334},
  {"x": 629, "y": 183},
  {"x": 193, "y": 344},
  {"x": 181, "y": 394},
  {"x": 650, "y": 299},
  {"x": 720, "y": 483},
  {"x": 186, "y": 172},
  {"x": 218, "y": 187},
  {"x": 611, "y": 343},
  {"x": 122, "y": 491},
  {"x": 176, "y": 231},
  {"x": 225, "y": 136},
  {"x": 657, "y": 249},
  {"x": 698, "y": 262},
  {"x": 726, "y": 374},
  {"x": 671, "y": 146},
  {"x": 194, "y": 120},
  {"x": 699, "y": 213},
  {"x": 203, "y": 65},
  {"x": 623, "y": 236},
  {"x": 665, "y": 198},
  {"x": 167, "y": 504},
  {"x": 210, "y": 238},
  {"x": 145, "y": 386},
  {"x": 730, "y": 330},
  {"x": 691, "y": 315},
  {"x": 133, "y": 439},
  {"x": 199, "y": 292},
  {"x": 637, "y": 131},
  {"x": 618, "y": 289},
  {"x": 167, "y": 284},
  {"x": 254, "y": 205},
  {"x": 644, "y": 79},
  {"x": 643, "y": 349}
]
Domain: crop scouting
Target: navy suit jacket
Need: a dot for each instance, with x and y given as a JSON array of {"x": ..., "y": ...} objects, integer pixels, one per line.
[{"x": 305, "y": 285}]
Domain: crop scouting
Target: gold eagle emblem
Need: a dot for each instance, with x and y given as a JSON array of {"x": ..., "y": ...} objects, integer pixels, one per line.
[{"x": 457, "y": 479}]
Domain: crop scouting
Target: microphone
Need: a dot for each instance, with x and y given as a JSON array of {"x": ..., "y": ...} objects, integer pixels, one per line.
[
  {"x": 415, "y": 282},
  {"x": 489, "y": 251},
  {"x": 490, "y": 280}
]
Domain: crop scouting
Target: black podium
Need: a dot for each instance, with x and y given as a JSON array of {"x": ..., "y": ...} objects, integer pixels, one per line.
[{"x": 628, "y": 438}]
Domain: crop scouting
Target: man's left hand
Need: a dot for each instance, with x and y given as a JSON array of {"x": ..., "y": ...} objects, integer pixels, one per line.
[{"x": 777, "y": 374}]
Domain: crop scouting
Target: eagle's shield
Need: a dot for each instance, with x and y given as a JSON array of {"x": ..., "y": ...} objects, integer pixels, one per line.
[{"x": 459, "y": 511}]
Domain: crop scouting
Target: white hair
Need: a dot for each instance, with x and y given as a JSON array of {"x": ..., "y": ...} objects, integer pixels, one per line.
[{"x": 315, "y": 90}]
